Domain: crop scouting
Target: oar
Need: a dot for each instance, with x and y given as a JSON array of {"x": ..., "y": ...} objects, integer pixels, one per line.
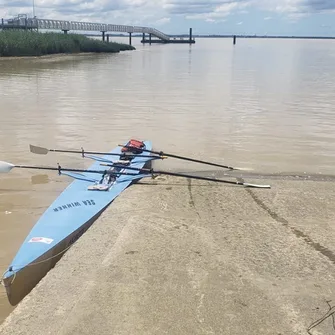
[
  {"x": 161, "y": 153},
  {"x": 151, "y": 171},
  {"x": 43, "y": 151},
  {"x": 6, "y": 167}
]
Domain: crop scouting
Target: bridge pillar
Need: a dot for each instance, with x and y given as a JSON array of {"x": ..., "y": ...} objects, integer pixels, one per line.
[
  {"x": 190, "y": 34},
  {"x": 108, "y": 38},
  {"x": 143, "y": 37},
  {"x": 65, "y": 31},
  {"x": 129, "y": 38},
  {"x": 234, "y": 39},
  {"x": 103, "y": 36},
  {"x": 149, "y": 38}
]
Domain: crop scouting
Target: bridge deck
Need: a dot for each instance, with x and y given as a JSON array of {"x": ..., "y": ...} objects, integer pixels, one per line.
[{"x": 31, "y": 23}]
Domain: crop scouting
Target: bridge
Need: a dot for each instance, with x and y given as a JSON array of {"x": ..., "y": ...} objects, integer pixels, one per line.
[{"x": 23, "y": 22}]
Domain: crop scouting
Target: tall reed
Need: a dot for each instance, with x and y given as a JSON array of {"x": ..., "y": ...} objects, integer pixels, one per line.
[{"x": 28, "y": 43}]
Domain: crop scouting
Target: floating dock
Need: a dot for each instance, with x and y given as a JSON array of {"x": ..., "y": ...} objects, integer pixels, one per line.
[{"x": 170, "y": 40}]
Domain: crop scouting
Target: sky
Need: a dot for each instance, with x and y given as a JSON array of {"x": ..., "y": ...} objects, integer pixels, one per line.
[{"x": 261, "y": 17}]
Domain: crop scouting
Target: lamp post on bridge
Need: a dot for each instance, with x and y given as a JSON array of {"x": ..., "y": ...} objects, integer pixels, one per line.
[{"x": 33, "y": 8}]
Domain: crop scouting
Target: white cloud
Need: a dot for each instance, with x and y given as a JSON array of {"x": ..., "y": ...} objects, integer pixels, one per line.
[
  {"x": 296, "y": 8},
  {"x": 213, "y": 11},
  {"x": 131, "y": 11},
  {"x": 163, "y": 20}
]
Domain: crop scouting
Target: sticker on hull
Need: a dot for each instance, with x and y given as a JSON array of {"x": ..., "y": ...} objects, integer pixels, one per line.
[{"x": 41, "y": 240}]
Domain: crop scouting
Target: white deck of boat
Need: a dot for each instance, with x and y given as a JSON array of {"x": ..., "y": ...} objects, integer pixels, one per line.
[{"x": 194, "y": 258}]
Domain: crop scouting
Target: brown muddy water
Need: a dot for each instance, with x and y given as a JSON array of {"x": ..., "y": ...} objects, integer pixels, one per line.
[{"x": 264, "y": 104}]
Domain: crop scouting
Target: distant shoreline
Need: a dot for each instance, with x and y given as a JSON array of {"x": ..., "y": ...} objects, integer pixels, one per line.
[
  {"x": 270, "y": 37},
  {"x": 229, "y": 36}
]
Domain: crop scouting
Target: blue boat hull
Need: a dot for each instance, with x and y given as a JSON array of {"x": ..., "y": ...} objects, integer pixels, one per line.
[{"x": 66, "y": 219}]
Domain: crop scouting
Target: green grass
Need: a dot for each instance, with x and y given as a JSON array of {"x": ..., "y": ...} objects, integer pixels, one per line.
[{"x": 28, "y": 43}]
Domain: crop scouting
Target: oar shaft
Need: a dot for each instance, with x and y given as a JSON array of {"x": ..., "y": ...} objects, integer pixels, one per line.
[
  {"x": 211, "y": 179},
  {"x": 7, "y": 167},
  {"x": 96, "y": 153},
  {"x": 199, "y": 161},
  {"x": 198, "y": 177},
  {"x": 39, "y": 167},
  {"x": 71, "y": 170},
  {"x": 151, "y": 171},
  {"x": 84, "y": 152},
  {"x": 161, "y": 153}
]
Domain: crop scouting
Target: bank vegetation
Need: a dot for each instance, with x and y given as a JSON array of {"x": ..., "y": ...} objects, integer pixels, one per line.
[{"x": 29, "y": 43}]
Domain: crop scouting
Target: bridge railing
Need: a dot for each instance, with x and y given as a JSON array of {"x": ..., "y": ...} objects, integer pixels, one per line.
[
  {"x": 23, "y": 21},
  {"x": 89, "y": 26},
  {"x": 18, "y": 22}
]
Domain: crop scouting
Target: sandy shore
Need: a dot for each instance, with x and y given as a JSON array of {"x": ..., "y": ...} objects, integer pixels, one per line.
[{"x": 175, "y": 256}]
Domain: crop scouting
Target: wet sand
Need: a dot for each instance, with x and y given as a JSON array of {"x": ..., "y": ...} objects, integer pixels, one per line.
[{"x": 178, "y": 256}]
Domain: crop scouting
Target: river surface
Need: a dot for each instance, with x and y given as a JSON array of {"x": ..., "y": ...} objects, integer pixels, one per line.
[{"x": 264, "y": 104}]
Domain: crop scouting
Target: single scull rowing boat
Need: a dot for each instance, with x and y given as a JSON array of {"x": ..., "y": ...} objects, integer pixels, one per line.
[
  {"x": 68, "y": 217},
  {"x": 79, "y": 205}
]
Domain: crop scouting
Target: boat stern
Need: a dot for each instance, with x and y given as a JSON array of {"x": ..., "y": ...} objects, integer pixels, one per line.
[{"x": 19, "y": 282}]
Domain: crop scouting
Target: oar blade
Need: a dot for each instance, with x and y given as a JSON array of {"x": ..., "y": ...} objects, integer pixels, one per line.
[
  {"x": 256, "y": 185},
  {"x": 38, "y": 150},
  {"x": 243, "y": 169},
  {"x": 5, "y": 167}
]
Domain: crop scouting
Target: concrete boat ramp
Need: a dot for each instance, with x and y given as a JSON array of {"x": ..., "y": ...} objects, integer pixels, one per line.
[{"x": 175, "y": 256}]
